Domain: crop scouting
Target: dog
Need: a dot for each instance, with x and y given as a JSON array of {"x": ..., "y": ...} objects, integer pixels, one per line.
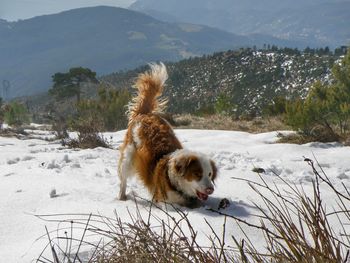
[{"x": 151, "y": 150}]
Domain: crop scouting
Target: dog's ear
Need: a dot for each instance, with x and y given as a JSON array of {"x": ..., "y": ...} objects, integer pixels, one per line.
[
  {"x": 215, "y": 170},
  {"x": 183, "y": 162}
]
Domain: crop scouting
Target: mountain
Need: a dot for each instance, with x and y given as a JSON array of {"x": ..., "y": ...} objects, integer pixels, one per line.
[
  {"x": 315, "y": 22},
  {"x": 105, "y": 39},
  {"x": 247, "y": 79}
]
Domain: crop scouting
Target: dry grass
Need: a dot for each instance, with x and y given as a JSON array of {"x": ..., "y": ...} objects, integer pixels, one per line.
[
  {"x": 253, "y": 125},
  {"x": 296, "y": 226},
  {"x": 87, "y": 140},
  {"x": 14, "y": 132},
  {"x": 297, "y": 138},
  {"x": 294, "y": 138},
  {"x": 89, "y": 136},
  {"x": 137, "y": 241},
  {"x": 220, "y": 122}
]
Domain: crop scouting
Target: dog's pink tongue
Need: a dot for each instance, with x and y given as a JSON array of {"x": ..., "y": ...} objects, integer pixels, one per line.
[{"x": 202, "y": 196}]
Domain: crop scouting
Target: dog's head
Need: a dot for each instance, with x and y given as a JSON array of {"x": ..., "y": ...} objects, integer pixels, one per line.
[{"x": 192, "y": 173}]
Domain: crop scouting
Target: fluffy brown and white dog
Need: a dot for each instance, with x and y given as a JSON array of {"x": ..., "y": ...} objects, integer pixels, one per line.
[{"x": 151, "y": 150}]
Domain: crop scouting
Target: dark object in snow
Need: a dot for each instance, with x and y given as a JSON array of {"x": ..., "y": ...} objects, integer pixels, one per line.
[
  {"x": 308, "y": 160},
  {"x": 258, "y": 170},
  {"x": 224, "y": 203},
  {"x": 53, "y": 193}
]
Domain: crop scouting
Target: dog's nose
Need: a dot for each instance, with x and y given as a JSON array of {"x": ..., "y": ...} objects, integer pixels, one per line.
[{"x": 209, "y": 190}]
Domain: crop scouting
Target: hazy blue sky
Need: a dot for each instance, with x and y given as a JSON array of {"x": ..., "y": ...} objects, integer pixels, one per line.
[{"x": 21, "y": 9}]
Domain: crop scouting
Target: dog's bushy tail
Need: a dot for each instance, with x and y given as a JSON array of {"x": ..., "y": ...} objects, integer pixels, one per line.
[{"x": 150, "y": 87}]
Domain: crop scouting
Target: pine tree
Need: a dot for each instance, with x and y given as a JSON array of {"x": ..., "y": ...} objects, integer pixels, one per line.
[
  {"x": 69, "y": 84},
  {"x": 326, "y": 106}
]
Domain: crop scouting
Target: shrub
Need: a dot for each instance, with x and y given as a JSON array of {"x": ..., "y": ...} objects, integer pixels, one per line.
[
  {"x": 88, "y": 135},
  {"x": 314, "y": 117},
  {"x": 60, "y": 128},
  {"x": 108, "y": 108},
  {"x": 16, "y": 114},
  {"x": 224, "y": 105},
  {"x": 276, "y": 107},
  {"x": 325, "y": 113},
  {"x": 205, "y": 110}
]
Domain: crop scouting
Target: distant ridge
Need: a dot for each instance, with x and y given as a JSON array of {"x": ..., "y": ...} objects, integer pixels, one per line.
[
  {"x": 314, "y": 22},
  {"x": 105, "y": 39}
]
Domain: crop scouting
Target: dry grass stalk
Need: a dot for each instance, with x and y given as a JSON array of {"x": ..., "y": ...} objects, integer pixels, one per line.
[
  {"x": 295, "y": 224},
  {"x": 171, "y": 240},
  {"x": 89, "y": 136}
]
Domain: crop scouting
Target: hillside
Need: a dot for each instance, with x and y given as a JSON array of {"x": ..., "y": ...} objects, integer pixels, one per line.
[
  {"x": 248, "y": 79},
  {"x": 314, "y": 22},
  {"x": 105, "y": 39}
]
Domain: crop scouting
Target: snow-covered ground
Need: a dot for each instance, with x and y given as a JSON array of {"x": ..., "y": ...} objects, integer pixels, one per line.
[{"x": 86, "y": 181}]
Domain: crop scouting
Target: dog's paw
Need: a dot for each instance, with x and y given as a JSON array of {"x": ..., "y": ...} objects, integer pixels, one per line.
[{"x": 122, "y": 197}]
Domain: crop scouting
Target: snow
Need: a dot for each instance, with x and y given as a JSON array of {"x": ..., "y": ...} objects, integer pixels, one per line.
[
  {"x": 4, "y": 126},
  {"x": 42, "y": 177}
]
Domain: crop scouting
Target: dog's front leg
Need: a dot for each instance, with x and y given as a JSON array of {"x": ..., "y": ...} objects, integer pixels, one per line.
[{"x": 125, "y": 168}]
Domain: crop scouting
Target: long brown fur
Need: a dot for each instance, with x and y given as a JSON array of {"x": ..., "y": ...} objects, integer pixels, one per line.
[
  {"x": 150, "y": 140},
  {"x": 150, "y": 86}
]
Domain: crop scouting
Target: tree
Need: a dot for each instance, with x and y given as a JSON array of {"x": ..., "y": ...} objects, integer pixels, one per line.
[
  {"x": 69, "y": 84},
  {"x": 326, "y": 106},
  {"x": 341, "y": 92}
]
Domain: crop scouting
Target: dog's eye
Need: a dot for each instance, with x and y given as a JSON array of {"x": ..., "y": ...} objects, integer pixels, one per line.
[{"x": 210, "y": 175}]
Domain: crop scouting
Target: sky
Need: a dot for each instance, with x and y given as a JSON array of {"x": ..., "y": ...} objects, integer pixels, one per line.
[{"x": 13, "y": 10}]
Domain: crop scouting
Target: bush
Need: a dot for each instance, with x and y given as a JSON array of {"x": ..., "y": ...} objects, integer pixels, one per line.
[
  {"x": 108, "y": 109},
  {"x": 325, "y": 113},
  {"x": 16, "y": 114},
  {"x": 60, "y": 128},
  {"x": 224, "y": 105},
  {"x": 205, "y": 110},
  {"x": 276, "y": 107},
  {"x": 88, "y": 135},
  {"x": 314, "y": 117}
]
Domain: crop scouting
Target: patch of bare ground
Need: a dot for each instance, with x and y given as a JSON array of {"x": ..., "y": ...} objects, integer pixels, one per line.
[{"x": 219, "y": 122}]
